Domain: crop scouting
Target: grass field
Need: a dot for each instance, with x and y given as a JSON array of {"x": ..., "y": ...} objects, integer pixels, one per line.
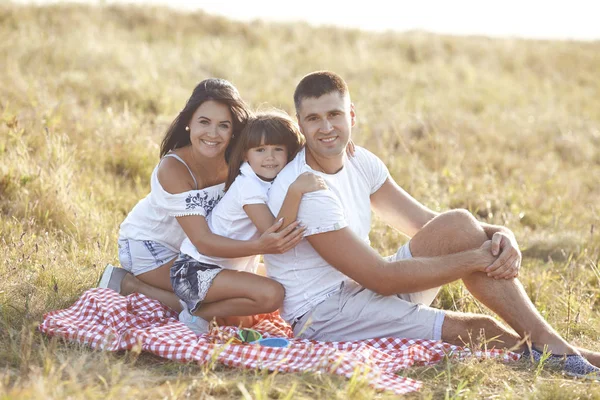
[{"x": 509, "y": 129}]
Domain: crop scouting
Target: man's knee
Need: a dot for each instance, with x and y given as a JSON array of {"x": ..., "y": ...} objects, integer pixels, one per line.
[
  {"x": 461, "y": 220},
  {"x": 450, "y": 232}
]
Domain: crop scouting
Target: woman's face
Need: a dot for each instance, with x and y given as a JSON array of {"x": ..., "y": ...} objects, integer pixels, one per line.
[{"x": 211, "y": 128}]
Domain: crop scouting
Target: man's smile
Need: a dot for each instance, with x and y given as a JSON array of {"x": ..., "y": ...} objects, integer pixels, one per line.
[{"x": 329, "y": 139}]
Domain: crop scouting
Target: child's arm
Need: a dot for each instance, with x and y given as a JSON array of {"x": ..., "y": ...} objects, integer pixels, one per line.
[{"x": 261, "y": 215}]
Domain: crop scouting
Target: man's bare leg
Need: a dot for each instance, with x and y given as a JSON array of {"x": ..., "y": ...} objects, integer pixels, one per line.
[
  {"x": 466, "y": 329},
  {"x": 457, "y": 231}
]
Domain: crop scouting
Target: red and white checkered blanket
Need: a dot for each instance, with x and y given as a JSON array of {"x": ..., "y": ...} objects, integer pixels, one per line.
[{"x": 105, "y": 320}]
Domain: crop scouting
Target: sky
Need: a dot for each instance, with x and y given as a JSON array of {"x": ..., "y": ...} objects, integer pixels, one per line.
[{"x": 575, "y": 19}]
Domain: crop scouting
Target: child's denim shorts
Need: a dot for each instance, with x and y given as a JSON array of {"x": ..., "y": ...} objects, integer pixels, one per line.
[
  {"x": 140, "y": 256},
  {"x": 191, "y": 280}
]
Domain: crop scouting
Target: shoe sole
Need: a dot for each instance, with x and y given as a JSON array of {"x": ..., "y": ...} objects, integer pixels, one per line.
[
  {"x": 588, "y": 377},
  {"x": 106, "y": 275}
]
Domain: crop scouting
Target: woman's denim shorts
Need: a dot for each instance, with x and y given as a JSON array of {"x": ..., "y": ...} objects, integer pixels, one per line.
[{"x": 141, "y": 256}]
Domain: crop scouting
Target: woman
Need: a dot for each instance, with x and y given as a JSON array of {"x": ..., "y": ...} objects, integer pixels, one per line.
[{"x": 185, "y": 186}]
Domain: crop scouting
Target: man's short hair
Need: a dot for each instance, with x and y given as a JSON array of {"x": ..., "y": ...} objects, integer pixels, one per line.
[{"x": 317, "y": 84}]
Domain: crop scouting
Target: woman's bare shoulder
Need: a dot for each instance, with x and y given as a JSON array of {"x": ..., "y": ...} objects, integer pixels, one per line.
[{"x": 174, "y": 177}]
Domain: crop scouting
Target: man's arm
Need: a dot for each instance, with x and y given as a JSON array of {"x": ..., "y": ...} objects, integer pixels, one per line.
[
  {"x": 399, "y": 209},
  {"x": 343, "y": 250}
]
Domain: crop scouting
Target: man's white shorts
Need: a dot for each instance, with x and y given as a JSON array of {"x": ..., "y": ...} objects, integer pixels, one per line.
[{"x": 357, "y": 313}]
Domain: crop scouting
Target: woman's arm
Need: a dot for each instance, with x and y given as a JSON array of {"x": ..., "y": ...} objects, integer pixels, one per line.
[
  {"x": 271, "y": 242},
  {"x": 175, "y": 178},
  {"x": 263, "y": 219}
]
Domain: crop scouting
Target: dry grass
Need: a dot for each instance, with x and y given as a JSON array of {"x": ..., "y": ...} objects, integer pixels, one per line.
[{"x": 509, "y": 129}]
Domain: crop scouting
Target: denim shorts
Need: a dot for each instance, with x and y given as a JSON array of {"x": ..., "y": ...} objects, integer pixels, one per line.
[
  {"x": 140, "y": 256},
  {"x": 191, "y": 280}
]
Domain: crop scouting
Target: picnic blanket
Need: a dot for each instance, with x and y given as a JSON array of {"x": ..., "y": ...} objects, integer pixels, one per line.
[{"x": 103, "y": 319}]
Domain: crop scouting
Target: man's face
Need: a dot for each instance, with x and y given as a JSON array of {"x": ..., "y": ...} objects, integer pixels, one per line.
[{"x": 326, "y": 123}]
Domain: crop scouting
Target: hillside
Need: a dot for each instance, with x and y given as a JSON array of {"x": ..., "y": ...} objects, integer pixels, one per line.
[{"x": 509, "y": 129}]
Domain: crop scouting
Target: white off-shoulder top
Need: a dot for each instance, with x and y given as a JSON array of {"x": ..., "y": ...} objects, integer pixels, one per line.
[{"x": 153, "y": 217}]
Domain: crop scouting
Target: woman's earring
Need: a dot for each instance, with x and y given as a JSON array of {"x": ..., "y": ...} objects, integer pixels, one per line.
[
  {"x": 233, "y": 136},
  {"x": 187, "y": 128}
]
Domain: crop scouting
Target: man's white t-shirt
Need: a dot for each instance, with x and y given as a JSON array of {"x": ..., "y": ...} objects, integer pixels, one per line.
[
  {"x": 307, "y": 278},
  {"x": 229, "y": 219}
]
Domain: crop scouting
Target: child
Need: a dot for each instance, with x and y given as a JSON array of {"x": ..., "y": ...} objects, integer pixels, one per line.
[{"x": 212, "y": 286}]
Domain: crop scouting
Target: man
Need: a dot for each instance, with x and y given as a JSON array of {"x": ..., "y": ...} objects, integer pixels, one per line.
[{"x": 338, "y": 288}]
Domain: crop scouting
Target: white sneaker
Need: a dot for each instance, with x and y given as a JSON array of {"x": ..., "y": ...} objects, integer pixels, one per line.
[{"x": 197, "y": 325}]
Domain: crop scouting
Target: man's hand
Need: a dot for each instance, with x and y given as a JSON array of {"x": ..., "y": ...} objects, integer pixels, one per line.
[{"x": 508, "y": 263}]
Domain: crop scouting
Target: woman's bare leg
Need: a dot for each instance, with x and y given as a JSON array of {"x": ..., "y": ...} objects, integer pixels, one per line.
[{"x": 155, "y": 284}]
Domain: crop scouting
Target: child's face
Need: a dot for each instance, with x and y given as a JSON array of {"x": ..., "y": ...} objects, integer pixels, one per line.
[{"x": 267, "y": 160}]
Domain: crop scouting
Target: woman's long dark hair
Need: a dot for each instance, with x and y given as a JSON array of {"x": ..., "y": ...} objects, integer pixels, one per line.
[
  {"x": 275, "y": 128},
  {"x": 215, "y": 89}
]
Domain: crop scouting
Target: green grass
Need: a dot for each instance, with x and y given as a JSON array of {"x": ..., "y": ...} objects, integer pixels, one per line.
[{"x": 507, "y": 128}]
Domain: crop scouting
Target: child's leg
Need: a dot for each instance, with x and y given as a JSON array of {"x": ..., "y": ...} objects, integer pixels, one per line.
[{"x": 236, "y": 293}]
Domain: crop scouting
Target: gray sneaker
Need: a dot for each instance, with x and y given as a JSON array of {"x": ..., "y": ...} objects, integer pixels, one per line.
[
  {"x": 112, "y": 277},
  {"x": 196, "y": 324},
  {"x": 572, "y": 364}
]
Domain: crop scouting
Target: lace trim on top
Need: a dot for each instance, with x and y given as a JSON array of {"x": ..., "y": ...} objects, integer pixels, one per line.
[{"x": 205, "y": 279}]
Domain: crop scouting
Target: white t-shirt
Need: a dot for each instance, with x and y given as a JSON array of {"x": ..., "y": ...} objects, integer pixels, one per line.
[
  {"x": 229, "y": 219},
  {"x": 307, "y": 278}
]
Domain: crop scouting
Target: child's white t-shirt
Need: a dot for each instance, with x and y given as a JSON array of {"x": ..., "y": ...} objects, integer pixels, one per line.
[{"x": 229, "y": 219}]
